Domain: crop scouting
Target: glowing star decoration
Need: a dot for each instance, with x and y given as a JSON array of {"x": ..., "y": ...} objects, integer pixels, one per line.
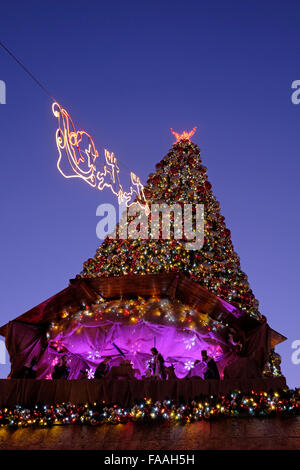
[
  {"x": 190, "y": 342},
  {"x": 189, "y": 365},
  {"x": 79, "y": 158},
  {"x": 185, "y": 135},
  {"x": 94, "y": 355},
  {"x": 135, "y": 348},
  {"x": 90, "y": 373}
]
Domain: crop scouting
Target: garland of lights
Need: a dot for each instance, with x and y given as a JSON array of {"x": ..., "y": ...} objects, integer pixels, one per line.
[
  {"x": 236, "y": 404},
  {"x": 158, "y": 310}
]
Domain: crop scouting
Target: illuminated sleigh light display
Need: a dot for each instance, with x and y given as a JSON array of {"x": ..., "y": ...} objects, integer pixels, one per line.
[{"x": 79, "y": 158}]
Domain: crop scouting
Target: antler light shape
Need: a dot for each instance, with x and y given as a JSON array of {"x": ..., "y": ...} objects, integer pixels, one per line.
[{"x": 185, "y": 135}]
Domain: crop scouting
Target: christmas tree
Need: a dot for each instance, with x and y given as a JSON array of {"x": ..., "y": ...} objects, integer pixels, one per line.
[
  {"x": 154, "y": 290},
  {"x": 180, "y": 177}
]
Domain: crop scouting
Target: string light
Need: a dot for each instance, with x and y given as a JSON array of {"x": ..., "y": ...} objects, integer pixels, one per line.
[
  {"x": 156, "y": 310},
  {"x": 237, "y": 404}
]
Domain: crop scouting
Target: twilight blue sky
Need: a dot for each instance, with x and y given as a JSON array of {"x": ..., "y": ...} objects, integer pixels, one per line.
[{"x": 128, "y": 71}]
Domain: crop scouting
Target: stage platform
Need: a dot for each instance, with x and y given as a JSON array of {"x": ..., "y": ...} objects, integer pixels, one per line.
[{"x": 124, "y": 392}]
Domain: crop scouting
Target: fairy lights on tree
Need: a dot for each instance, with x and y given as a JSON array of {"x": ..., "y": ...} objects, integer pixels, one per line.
[{"x": 180, "y": 177}]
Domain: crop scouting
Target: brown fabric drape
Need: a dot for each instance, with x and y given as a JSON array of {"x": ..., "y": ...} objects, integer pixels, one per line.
[
  {"x": 123, "y": 392},
  {"x": 23, "y": 342},
  {"x": 258, "y": 345}
]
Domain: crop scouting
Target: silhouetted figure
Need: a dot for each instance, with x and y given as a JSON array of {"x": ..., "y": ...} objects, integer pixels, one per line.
[
  {"x": 212, "y": 371},
  {"x": 102, "y": 369},
  {"x": 157, "y": 364},
  {"x": 29, "y": 370},
  {"x": 61, "y": 370}
]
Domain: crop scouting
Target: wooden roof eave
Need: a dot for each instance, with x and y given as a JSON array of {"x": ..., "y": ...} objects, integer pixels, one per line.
[{"x": 172, "y": 285}]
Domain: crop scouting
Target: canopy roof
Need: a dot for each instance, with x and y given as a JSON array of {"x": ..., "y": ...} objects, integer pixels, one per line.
[{"x": 170, "y": 285}]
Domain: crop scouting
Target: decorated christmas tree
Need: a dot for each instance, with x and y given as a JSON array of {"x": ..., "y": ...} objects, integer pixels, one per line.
[
  {"x": 151, "y": 293},
  {"x": 180, "y": 177}
]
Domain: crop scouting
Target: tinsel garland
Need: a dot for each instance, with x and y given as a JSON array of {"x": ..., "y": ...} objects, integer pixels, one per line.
[{"x": 236, "y": 404}]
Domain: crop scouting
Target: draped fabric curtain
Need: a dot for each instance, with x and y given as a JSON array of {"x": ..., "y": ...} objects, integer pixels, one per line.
[{"x": 89, "y": 342}]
